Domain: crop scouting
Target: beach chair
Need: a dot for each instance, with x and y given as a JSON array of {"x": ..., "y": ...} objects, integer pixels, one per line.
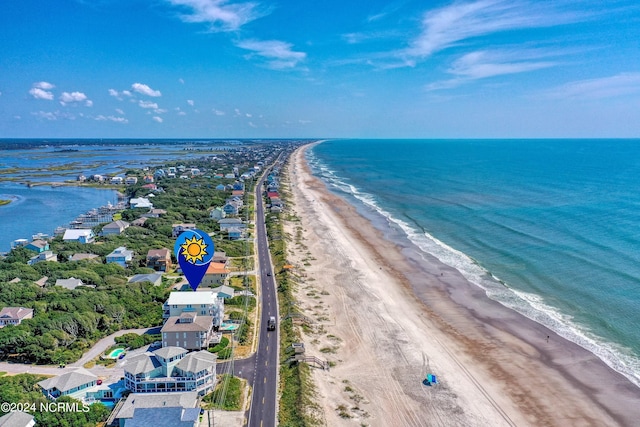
[{"x": 432, "y": 379}]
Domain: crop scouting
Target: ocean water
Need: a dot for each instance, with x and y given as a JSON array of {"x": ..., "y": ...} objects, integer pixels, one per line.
[{"x": 550, "y": 228}]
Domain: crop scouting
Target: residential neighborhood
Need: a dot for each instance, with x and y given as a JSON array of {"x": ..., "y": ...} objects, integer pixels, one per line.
[{"x": 119, "y": 257}]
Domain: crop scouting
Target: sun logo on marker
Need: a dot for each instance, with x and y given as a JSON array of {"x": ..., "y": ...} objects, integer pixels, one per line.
[{"x": 194, "y": 250}]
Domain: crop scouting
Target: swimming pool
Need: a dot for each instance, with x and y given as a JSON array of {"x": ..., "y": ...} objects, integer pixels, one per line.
[{"x": 115, "y": 353}]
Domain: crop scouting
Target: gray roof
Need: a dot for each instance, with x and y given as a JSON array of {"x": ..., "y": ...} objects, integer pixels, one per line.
[
  {"x": 70, "y": 283},
  {"x": 81, "y": 256},
  {"x": 197, "y": 361},
  {"x": 17, "y": 419},
  {"x": 68, "y": 381},
  {"x": 188, "y": 399},
  {"x": 164, "y": 417},
  {"x": 151, "y": 277},
  {"x": 199, "y": 323},
  {"x": 141, "y": 363},
  {"x": 169, "y": 352},
  {"x": 117, "y": 225},
  {"x": 228, "y": 290}
]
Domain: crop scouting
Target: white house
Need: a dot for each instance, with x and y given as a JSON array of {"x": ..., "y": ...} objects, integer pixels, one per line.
[
  {"x": 204, "y": 303},
  {"x": 81, "y": 235},
  {"x": 120, "y": 256},
  {"x": 140, "y": 202}
]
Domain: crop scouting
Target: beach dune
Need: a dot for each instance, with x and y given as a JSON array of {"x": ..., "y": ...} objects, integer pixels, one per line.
[{"x": 386, "y": 315}]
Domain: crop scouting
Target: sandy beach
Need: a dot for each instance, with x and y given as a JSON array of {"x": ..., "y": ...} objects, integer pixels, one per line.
[{"x": 385, "y": 316}]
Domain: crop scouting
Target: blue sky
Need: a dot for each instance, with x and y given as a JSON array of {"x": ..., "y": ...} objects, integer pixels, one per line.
[{"x": 288, "y": 69}]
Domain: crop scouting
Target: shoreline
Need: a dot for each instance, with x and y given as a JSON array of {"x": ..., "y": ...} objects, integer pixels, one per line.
[{"x": 497, "y": 363}]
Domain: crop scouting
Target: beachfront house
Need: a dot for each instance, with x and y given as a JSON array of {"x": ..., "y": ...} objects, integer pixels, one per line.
[
  {"x": 115, "y": 228},
  {"x": 74, "y": 384},
  {"x": 82, "y": 235},
  {"x": 204, "y": 303},
  {"x": 120, "y": 256},
  {"x": 159, "y": 409},
  {"x": 171, "y": 369},
  {"x": 188, "y": 330},
  {"x": 159, "y": 259},
  {"x": 14, "y": 315}
]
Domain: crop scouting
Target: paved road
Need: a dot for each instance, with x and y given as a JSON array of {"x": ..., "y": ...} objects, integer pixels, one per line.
[
  {"x": 262, "y": 412},
  {"x": 99, "y": 370}
]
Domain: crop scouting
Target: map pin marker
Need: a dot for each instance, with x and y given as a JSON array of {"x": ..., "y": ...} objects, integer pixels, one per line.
[{"x": 194, "y": 250}]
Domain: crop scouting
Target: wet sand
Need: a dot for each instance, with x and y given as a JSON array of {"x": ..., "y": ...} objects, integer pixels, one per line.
[{"x": 386, "y": 315}]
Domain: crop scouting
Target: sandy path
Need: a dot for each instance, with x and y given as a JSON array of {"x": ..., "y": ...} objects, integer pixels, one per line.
[{"x": 367, "y": 300}]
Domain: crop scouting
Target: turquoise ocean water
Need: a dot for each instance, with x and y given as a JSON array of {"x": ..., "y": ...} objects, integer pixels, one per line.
[{"x": 550, "y": 228}]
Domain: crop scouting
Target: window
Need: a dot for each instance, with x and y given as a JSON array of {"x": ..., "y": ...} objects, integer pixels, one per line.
[{"x": 184, "y": 335}]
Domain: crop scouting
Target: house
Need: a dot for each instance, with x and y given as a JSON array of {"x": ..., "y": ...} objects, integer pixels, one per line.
[
  {"x": 117, "y": 180},
  {"x": 154, "y": 278},
  {"x": 70, "y": 283},
  {"x": 216, "y": 274},
  {"x": 188, "y": 330},
  {"x": 159, "y": 259},
  {"x": 140, "y": 202},
  {"x": 139, "y": 222},
  {"x": 136, "y": 406},
  {"x": 148, "y": 179},
  {"x": 73, "y": 384},
  {"x": 131, "y": 180},
  {"x": 217, "y": 213},
  {"x": 43, "y": 256},
  {"x": 224, "y": 291},
  {"x": 155, "y": 213},
  {"x": 177, "y": 229},
  {"x": 38, "y": 246},
  {"x": 205, "y": 303},
  {"x": 230, "y": 209},
  {"x": 17, "y": 419},
  {"x": 171, "y": 369},
  {"x": 19, "y": 243},
  {"x": 151, "y": 187},
  {"x": 220, "y": 257},
  {"x": 14, "y": 315},
  {"x": 235, "y": 233},
  {"x": 227, "y": 223},
  {"x": 81, "y": 256},
  {"x": 115, "y": 228},
  {"x": 220, "y": 187},
  {"x": 120, "y": 256},
  {"x": 81, "y": 235}
]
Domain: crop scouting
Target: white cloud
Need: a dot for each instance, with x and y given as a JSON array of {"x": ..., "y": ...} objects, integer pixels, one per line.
[
  {"x": 119, "y": 95},
  {"x": 111, "y": 119},
  {"x": 218, "y": 112},
  {"x": 160, "y": 110},
  {"x": 43, "y": 85},
  {"x": 148, "y": 104},
  {"x": 485, "y": 64},
  {"x": 182, "y": 113},
  {"x": 55, "y": 115},
  {"x": 605, "y": 87},
  {"x": 190, "y": 102},
  {"x": 278, "y": 53},
  {"x": 145, "y": 90},
  {"x": 181, "y": 81},
  {"x": 237, "y": 111},
  {"x": 221, "y": 15},
  {"x": 248, "y": 115},
  {"x": 120, "y": 111},
  {"x": 158, "y": 119},
  {"x": 39, "y": 93},
  {"x": 74, "y": 97},
  {"x": 461, "y": 22}
]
